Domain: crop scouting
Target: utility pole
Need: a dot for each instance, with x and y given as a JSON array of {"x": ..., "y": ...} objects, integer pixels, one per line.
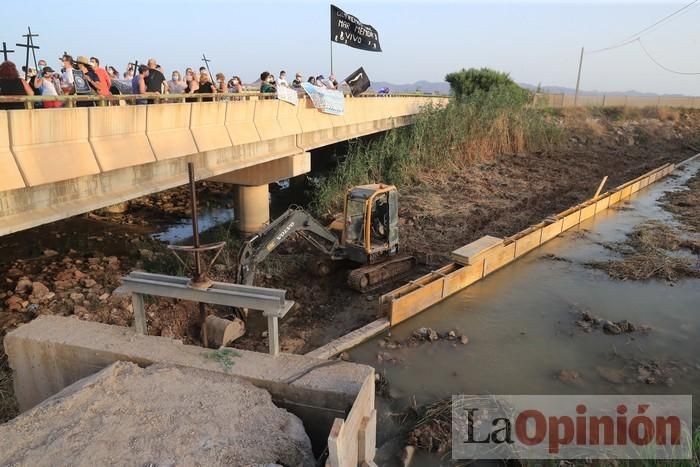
[{"x": 578, "y": 79}]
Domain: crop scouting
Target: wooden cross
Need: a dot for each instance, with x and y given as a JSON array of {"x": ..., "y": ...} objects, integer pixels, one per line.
[
  {"x": 206, "y": 63},
  {"x": 136, "y": 66},
  {"x": 29, "y": 46},
  {"x": 6, "y": 51}
]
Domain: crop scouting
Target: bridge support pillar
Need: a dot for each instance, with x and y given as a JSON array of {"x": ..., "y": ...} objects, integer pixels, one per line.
[{"x": 252, "y": 207}]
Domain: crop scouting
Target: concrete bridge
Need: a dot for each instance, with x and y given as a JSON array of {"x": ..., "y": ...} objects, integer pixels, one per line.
[{"x": 57, "y": 163}]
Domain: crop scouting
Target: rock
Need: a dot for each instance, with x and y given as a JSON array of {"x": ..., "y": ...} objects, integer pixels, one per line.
[
  {"x": 146, "y": 254},
  {"x": 344, "y": 356},
  {"x": 625, "y": 326},
  {"x": 611, "y": 375},
  {"x": 569, "y": 377},
  {"x": 14, "y": 273},
  {"x": 645, "y": 328},
  {"x": 611, "y": 328},
  {"x": 221, "y": 332},
  {"x": 432, "y": 335},
  {"x": 464, "y": 339},
  {"x": 39, "y": 290},
  {"x": 49, "y": 253},
  {"x": 89, "y": 283},
  {"x": 407, "y": 455},
  {"x": 24, "y": 285},
  {"x": 451, "y": 335},
  {"x": 14, "y": 303},
  {"x": 77, "y": 297},
  {"x": 104, "y": 297}
]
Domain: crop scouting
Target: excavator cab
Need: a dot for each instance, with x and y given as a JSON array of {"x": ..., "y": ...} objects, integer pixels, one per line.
[{"x": 371, "y": 229}]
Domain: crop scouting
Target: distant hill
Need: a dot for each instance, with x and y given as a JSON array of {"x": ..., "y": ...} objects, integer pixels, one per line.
[
  {"x": 429, "y": 87},
  {"x": 425, "y": 87}
]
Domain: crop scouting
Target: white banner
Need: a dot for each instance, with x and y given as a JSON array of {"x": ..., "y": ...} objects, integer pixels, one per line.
[
  {"x": 287, "y": 95},
  {"x": 326, "y": 100}
]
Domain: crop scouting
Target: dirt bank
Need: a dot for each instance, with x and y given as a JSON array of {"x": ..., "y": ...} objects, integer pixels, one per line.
[
  {"x": 73, "y": 266},
  {"x": 126, "y": 415}
]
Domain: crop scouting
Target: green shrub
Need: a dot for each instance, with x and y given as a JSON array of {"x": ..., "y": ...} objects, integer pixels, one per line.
[
  {"x": 466, "y": 83},
  {"x": 472, "y": 129}
]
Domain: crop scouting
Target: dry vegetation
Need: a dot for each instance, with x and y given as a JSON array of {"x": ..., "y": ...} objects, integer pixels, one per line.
[{"x": 648, "y": 254}]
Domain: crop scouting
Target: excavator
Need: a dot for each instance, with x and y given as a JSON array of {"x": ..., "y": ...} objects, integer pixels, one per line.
[{"x": 367, "y": 233}]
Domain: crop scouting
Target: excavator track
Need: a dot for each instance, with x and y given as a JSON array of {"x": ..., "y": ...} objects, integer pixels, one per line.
[{"x": 372, "y": 276}]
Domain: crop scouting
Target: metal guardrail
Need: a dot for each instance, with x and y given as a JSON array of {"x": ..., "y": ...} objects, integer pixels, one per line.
[
  {"x": 271, "y": 302},
  {"x": 71, "y": 100}
]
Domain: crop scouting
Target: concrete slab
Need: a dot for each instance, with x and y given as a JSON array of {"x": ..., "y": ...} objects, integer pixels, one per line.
[
  {"x": 168, "y": 130},
  {"x": 474, "y": 251},
  {"x": 52, "y": 145},
  {"x": 118, "y": 136},
  {"x": 11, "y": 177},
  {"x": 207, "y": 123}
]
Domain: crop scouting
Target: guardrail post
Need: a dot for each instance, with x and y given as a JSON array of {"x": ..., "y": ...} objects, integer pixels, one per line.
[
  {"x": 273, "y": 335},
  {"x": 139, "y": 313}
]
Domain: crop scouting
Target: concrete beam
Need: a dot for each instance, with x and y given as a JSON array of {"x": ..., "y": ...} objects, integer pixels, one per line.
[
  {"x": 52, "y": 352},
  {"x": 269, "y": 172}
]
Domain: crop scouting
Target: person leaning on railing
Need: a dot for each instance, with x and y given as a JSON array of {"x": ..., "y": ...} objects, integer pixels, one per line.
[
  {"x": 12, "y": 85},
  {"x": 266, "y": 80},
  {"x": 44, "y": 82},
  {"x": 205, "y": 86}
]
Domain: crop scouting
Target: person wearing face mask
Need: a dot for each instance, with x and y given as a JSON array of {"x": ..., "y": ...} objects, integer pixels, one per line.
[
  {"x": 67, "y": 80},
  {"x": 176, "y": 85},
  {"x": 234, "y": 85},
  {"x": 266, "y": 80}
]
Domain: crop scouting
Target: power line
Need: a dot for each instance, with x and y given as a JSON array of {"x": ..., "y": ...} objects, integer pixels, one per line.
[
  {"x": 659, "y": 64},
  {"x": 634, "y": 37}
]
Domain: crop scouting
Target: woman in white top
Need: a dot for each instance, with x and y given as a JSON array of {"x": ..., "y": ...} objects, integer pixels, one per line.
[
  {"x": 176, "y": 85},
  {"x": 44, "y": 83}
]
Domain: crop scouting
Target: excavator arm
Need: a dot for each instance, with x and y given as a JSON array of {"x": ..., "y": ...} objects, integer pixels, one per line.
[{"x": 294, "y": 220}]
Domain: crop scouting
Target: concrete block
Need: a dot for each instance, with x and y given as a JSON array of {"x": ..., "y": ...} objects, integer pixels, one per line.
[
  {"x": 475, "y": 251},
  {"x": 52, "y": 145},
  {"x": 168, "y": 130},
  {"x": 413, "y": 303},
  {"x": 11, "y": 178},
  {"x": 551, "y": 230},
  {"x": 52, "y": 352},
  {"x": 266, "y": 119},
  {"x": 118, "y": 136},
  {"x": 288, "y": 120},
  {"x": 498, "y": 257},
  {"x": 208, "y": 126},
  {"x": 239, "y": 122}
]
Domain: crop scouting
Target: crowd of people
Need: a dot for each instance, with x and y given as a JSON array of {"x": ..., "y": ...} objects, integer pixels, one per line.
[{"x": 83, "y": 75}]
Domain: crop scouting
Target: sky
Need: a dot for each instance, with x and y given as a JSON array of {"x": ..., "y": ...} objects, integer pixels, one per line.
[{"x": 536, "y": 42}]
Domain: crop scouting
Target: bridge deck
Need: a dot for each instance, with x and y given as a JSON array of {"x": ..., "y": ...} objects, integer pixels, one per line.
[{"x": 56, "y": 163}]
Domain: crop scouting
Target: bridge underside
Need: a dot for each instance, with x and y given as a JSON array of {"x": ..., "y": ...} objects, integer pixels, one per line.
[{"x": 62, "y": 162}]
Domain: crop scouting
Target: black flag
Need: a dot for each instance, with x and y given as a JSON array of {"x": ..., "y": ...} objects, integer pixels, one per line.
[
  {"x": 358, "y": 82},
  {"x": 348, "y": 30}
]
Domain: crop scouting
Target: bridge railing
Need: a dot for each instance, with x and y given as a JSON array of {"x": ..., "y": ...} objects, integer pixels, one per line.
[{"x": 72, "y": 100}]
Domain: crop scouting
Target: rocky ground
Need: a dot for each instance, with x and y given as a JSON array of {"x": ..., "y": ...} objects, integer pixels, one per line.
[{"x": 74, "y": 266}]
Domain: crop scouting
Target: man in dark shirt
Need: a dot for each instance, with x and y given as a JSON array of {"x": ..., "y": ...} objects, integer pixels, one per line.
[{"x": 155, "y": 79}]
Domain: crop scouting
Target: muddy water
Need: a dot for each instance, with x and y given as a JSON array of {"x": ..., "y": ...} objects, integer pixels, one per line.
[{"x": 521, "y": 324}]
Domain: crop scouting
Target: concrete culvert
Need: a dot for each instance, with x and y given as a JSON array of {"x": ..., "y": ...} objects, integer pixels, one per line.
[{"x": 160, "y": 415}]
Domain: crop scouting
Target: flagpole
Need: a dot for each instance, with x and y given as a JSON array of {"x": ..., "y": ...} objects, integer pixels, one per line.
[{"x": 331, "y": 56}]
